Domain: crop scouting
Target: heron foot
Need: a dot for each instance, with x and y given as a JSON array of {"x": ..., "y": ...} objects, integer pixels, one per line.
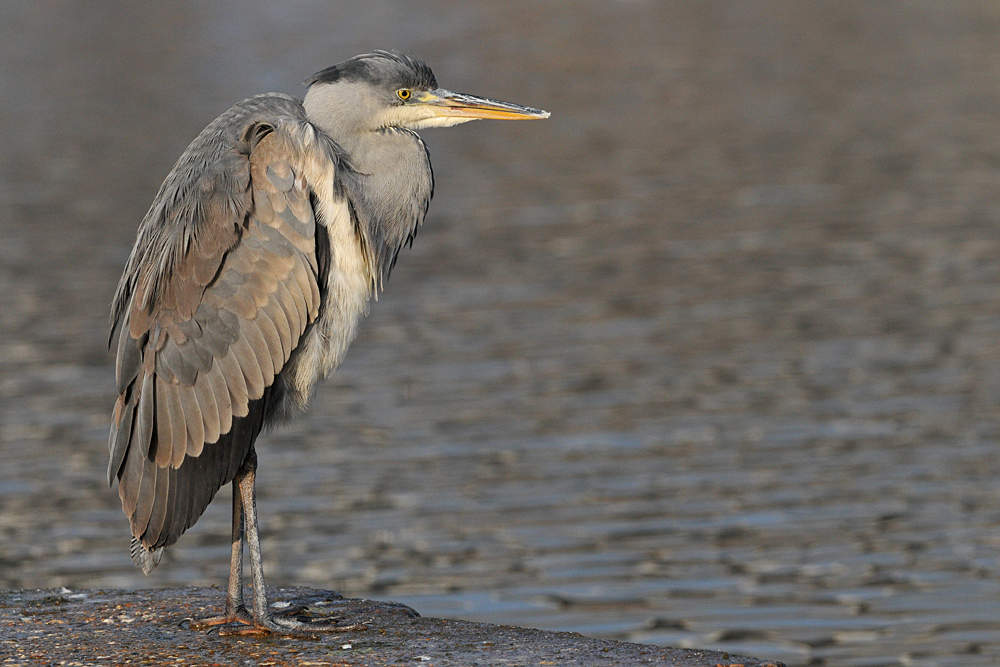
[
  {"x": 287, "y": 627},
  {"x": 237, "y": 615}
]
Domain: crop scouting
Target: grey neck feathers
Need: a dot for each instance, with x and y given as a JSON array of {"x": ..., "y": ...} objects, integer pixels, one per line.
[{"x": 391, "y": 184}]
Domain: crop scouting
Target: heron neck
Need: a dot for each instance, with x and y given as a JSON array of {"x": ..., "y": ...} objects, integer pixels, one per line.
[
  {"x": 391, "y": 187},
  {"x": 391, "y": 182}
]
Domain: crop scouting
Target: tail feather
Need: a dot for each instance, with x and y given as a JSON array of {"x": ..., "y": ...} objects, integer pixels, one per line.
[{"x": 145, "y": 559}]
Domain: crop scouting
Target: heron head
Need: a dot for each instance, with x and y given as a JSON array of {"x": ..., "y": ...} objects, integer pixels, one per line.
[{"x": 388, "y": 89}]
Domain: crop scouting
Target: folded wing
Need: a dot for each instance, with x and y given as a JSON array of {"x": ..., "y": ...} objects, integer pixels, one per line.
[{"x": 224, "y": 282}]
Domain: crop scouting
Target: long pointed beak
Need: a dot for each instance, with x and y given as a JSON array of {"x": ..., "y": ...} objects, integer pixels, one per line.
[{"x": 459, "y": 105}]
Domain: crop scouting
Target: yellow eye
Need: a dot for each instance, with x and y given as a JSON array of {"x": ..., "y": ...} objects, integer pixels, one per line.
[{"x": 403, "y": 94}]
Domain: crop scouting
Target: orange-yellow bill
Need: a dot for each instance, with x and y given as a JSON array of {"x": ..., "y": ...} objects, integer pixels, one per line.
[{"x": 459, "y": 105}]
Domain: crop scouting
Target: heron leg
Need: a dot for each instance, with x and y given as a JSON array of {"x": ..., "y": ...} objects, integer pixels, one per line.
[
  {"x": 236, "y": 611},
  {"x": 263, "y": 619}
]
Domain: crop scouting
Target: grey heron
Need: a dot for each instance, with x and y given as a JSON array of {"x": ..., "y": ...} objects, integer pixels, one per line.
[{"x": 249, "y": 274}]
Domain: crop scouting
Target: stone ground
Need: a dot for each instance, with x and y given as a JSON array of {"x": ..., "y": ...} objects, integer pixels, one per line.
[
  {"x": 708, "y": 359},
  {"x": 63, "y": 627}
]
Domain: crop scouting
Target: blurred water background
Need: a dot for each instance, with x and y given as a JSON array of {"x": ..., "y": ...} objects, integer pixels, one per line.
[{"x": 707, "y": 359}]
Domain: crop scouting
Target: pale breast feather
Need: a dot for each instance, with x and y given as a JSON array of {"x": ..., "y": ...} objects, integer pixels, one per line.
[{"x": 349, "y": 285}]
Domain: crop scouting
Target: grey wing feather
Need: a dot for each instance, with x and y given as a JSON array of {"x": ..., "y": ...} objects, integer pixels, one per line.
[
  {"x": 205, "y": 396},
  {"x": 218, "y": 291}
]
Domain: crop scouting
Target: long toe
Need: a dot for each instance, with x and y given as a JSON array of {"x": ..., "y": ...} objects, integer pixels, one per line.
[
  {"x": 289, "y": 627},
  {"x": 239, "y": 615}
]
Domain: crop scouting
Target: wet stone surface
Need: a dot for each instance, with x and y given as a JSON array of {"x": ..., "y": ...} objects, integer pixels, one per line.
[
  {"x": 149, "y": 627},
  {"x": 708, "y": 359}
]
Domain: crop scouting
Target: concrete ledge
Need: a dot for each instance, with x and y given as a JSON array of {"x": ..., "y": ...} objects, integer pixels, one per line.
[{"x": 148, "y": 627}]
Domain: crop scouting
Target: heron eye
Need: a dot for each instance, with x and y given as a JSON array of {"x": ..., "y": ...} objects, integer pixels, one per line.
[{"x": 403, "y": 94}]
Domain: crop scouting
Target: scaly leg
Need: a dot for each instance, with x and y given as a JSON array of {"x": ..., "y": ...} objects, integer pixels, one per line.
[
  {"x": 236, "y": 611},
  {"x": 263, "y": 619}
]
